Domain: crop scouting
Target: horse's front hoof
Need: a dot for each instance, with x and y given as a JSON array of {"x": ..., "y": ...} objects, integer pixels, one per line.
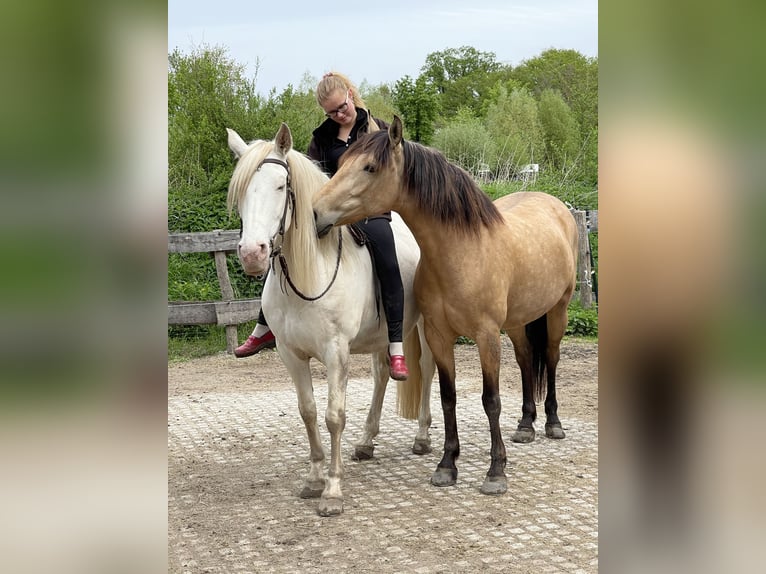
[
  {"x": 421, "y": 446},
  {"x": 363, "y": 452},
  {"x": 444, "y": 477},
  {"x": 494, "y": 485},
  {"x": 312, "y": 489},
  {"x": 330, "y": 506},
  {"x": 554, "y": 431},
  {"x": 524, "y": 434}
]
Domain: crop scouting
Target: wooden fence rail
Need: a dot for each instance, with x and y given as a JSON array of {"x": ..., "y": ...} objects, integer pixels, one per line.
[{"x": 229, "y": 312}]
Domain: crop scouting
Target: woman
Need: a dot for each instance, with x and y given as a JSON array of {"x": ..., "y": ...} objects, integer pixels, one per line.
[{"x": 347, "y": 119}]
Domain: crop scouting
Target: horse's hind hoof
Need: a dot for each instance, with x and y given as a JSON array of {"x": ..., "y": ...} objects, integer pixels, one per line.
[
  {"x": 554, "y": 431},
  {"x": 444, "y": 477},
  {"x": 363, "y": 452},
  {"x": 524, "y": 435},
  {"x": 421, "y": 447},
  {"x": 494, "y": 485},
  {"x": 330, "y": 506}
]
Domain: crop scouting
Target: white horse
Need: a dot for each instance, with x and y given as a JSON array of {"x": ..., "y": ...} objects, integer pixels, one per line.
[{"x": 320, "y": 300}]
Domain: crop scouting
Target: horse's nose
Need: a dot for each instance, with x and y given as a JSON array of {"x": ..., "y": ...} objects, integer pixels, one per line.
[
  {"x": 258, "y": 251},
  {"x": 254, "y": 257},
  {"x": 258, "y": 246},
  {"x": 324, "y": 230}
]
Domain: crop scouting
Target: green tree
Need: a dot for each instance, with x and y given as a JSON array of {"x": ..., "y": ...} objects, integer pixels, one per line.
[
  {"x": 466, "y": 142},
  {"x": 297, "y": 108},
  {"x": 513, "y": 122},
  {"x": 462, "y": 77},
  {"x": 561, "y": 133},
  {"x": 570, "y": 73},
  {"x": 419, "y": 104},
  {"x": 207, "y": 92},
  {"x": 379, "y": 100}
]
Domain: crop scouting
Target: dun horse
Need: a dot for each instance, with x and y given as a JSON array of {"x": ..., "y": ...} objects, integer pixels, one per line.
[
  {"x": 320, "y": 301},
  {"x": 485, "y": 267}
]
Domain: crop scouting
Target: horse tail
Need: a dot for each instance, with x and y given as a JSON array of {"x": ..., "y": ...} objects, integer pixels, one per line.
[
  {"x": 537, "y": 335},
  {"x": 408, "y": 392}
]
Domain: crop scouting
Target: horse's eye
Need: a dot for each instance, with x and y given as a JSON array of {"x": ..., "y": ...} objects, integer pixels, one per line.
[
  {"x": 369, "y": 168},
  {"x": 281, "y": 188}
]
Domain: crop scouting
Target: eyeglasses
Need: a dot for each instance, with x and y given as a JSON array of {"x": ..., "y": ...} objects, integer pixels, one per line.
[{"x": 341, "y": 109}]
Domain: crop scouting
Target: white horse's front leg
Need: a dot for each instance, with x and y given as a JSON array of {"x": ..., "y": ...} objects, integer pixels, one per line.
[
  {"x": 422, "y": 443},
  {"x": 300, "y": 372},
  {"x": 331, "y": 502},
  {"x": 365, "y": 448}
]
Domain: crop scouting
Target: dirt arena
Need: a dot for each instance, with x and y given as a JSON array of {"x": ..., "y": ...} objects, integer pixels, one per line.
[{"x": 238, "y": 454}]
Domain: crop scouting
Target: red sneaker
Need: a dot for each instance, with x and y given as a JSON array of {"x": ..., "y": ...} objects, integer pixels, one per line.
[
  {"x": 398, "y": 368},
  {"x": 255, "y": 345}
]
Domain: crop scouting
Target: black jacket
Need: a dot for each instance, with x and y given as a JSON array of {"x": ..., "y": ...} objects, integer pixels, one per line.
[{"x": 326, "y": 148}]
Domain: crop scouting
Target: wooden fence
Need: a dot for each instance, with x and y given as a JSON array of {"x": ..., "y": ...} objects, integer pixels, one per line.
[
  {"x": 229, "y": 312},
  {"x": 587, "y": 222}
]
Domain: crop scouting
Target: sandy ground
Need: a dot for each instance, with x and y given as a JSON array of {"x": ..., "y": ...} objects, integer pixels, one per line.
[{"x": 232, "y": 486}]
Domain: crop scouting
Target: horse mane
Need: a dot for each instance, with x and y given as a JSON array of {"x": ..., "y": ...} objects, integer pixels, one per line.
[
  {"x": 301, "y": 245},
  {"x": 441, "y": 188}
]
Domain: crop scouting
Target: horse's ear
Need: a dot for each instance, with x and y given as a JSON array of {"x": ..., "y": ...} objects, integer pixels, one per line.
[
  {"x": 395, "y": 131},
  {"x": 284, "y": 139},
  {"x": 236, "y": 143}
]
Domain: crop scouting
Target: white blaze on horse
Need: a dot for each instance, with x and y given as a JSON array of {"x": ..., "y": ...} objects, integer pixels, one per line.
[
  {"x": 320, "y": 300},
  {"x": 485, "y": 267}
]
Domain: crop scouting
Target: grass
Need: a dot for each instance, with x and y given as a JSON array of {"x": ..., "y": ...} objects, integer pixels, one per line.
[{"x": 191, "y": 342}]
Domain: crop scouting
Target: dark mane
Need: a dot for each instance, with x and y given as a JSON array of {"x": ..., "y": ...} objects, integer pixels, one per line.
[{"x": 441, "y": 188}]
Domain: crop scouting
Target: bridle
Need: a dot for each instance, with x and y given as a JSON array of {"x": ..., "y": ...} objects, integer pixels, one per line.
[
  {"x": 289, "y": 203},
  {"x": 276, "y": 252}
]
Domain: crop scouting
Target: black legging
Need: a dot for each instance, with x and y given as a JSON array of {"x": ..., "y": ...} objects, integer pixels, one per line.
[{"x": 381, "y": 237}]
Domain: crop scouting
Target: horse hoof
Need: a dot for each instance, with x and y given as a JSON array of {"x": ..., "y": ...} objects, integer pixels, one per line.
[
  {"x": 554, "y": 431},
  {"x": 421, "y": 447},
  {"x": 363, "y": 452},
  {"x": 330, "y": 507},
  {"x": 312, "y": 489},
  {"x": 524, "y": 435},
  {"x": 444, "y": 477},
  {"x": 494, "y": 485}
]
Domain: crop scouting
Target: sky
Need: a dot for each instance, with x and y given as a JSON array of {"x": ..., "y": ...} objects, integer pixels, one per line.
[{"x": 285, "y": 41}]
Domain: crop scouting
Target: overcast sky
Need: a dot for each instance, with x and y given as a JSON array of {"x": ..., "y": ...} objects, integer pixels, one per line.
[{"x": 375, "y": 41}]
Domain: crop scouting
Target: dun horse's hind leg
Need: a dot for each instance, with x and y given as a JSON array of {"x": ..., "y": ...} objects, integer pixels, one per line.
[
  {"x": 365, "y": 448},
  {"x": 522, "y": 348},
  {"x": 557, "y": 324},
  {"x": 300, "y": 372}
]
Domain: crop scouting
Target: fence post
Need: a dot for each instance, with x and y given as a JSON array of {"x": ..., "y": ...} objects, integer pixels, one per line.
[
  {"x": 227, "y": 293},
  {"x": 583, "y": 261}
]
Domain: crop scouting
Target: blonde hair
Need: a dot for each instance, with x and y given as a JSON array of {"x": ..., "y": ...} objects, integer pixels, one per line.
[{"x": 332, "y": 82}]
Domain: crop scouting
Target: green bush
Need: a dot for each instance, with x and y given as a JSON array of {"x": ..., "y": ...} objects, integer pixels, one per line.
[
  {"x": 466, "y": 142},
  {"x": 582, "y": 322}
]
